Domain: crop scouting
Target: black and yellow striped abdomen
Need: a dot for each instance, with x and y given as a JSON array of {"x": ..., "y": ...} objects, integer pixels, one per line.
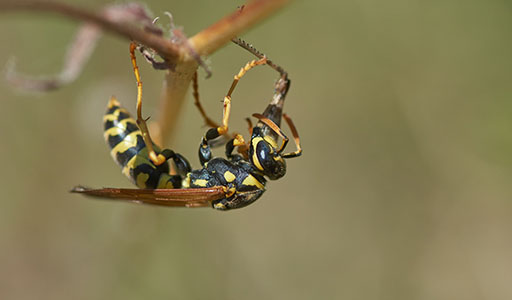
[{"x": 129, "y": 150}]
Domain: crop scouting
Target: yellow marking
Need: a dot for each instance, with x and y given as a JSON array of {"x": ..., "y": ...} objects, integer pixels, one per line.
[
  {"x": 200, "y": 182},
  {"x": 119, "y": 128},
  {"x": 255, "y": 160},
  {"x": 169, "y": 185},
  {"x": 134, "y": 162},
  {"x": 124, "y": 123},
  {"x": 278, "y": 158},
  {"x": 128, "y": 166},
  {"x": 113, "y": 131},
  {"x": 231, "y": 192},
  {"x": 239, "y": 140},
  {"x": 251, "y": 180},
  {"x": 185, "y": 183},
  {"x": 128, "y": 142},
  {"x": 140, "y": 158},
  {"x": 113, "y": 102},
  {"x": 115, "y": 114},
  {"x": 230, "y": 177},
  {"x": 126, "y": 169},
  {"x": 109, "y": 117},
  {"x": 271, "y": 141},
  {"x": 128, "y": 120},
  {"x": 141, "y": 180},
  {"x": 164, "y": 183},
  {"x": 219, "y": 206}
]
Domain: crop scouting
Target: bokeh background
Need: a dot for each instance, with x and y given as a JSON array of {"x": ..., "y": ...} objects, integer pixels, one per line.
[{"x": 403, "y": 191}]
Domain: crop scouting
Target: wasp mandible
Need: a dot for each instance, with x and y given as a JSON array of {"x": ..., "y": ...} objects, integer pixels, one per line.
[{"x": 223, "y": 183}]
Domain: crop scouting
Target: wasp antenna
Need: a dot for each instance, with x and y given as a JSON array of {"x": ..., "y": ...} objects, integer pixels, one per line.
[
  {"x": 275, "y": 128},
  {"x": 295, "y": 134},
  {"x": 260, "y": 55}
]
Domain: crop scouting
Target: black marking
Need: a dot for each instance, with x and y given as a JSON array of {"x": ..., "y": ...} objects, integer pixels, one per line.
[
  {"x": 108, "y": 124},
  {"x": 154, "y": 175},
  {"x": 123, "y": 157},
  {"x": 122, "y": 115},
  {"x": 112, "y": 109},
  {"x": 175, "y": 180},
  {"x": 113, "y": 140},
  {"x": 212, "y": 133}
]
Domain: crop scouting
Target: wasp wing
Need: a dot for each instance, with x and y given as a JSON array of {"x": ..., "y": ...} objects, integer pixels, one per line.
[{"x": 200, "y": 197}]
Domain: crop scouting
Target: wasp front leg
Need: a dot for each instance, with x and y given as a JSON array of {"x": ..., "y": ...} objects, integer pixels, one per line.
[
  {"x": 237, "y": 141},
  {"x": 205, "y": 153}
]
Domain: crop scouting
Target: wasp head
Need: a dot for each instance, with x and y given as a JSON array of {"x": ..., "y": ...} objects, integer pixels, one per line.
[{"x": 265, "y": 155}]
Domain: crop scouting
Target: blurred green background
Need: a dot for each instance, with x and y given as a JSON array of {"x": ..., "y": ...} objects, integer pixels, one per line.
[{"x": 403, "y": 191}]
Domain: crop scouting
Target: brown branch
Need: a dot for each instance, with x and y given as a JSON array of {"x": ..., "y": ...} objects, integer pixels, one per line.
[
  {"x": 205, "y": 43},
  {"x": 219, "y": 34},
  {"x": 178, "y": 80},
  {"x": 163, "y": 46},
  {"x": 76, "y": 57}
]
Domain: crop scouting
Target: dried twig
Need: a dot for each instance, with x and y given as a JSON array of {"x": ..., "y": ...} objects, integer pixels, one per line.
[
  {"x": 163, "y": 46},
  {"x": 205, "y": 43},
  {"x": 81, "y": 49},
  {"x": 219, "y": 34},
  {"x": 183, "y": 59}
]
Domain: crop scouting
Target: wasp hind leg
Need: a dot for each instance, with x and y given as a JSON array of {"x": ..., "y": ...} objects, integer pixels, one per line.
[
  {"x": 157, "y": 159},
  {"x": 181, "y": 163}
]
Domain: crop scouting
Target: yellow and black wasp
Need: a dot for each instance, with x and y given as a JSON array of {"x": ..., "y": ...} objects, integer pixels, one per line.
[{"x": 223, "y": 183}]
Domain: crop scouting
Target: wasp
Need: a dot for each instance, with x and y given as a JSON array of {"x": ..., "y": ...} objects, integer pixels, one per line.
[{"x": 222, "y": 183}]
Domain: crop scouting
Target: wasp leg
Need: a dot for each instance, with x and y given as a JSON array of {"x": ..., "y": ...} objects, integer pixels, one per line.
[
  {"x": 205, "y": 153},
  {"x": 157, "y": 159},
  {"x": 195, "y": 92},
  {"x": 244, "y": 149},
  {"x": 237, "y": 141},
  {"x": 249, "y": 124},
  {"x": 208, "y": 121},
  {"x": 220, "y": 130},
  {"x": 181, "y": 163}
]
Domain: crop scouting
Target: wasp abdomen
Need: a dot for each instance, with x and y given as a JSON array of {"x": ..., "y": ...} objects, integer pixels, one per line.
[{"x": 128, "y": 149}]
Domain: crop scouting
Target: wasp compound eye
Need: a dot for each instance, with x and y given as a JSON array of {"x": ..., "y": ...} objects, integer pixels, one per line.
[{"x": 268, "y": 161}]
